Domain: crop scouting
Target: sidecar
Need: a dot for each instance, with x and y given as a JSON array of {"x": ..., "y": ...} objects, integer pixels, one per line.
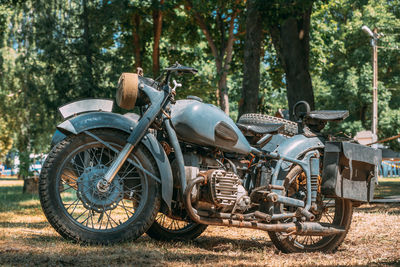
[{"x": 349, "y": 170}]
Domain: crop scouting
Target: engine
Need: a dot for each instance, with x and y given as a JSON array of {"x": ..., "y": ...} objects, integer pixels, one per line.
[
  {"x": 226, "y": 191},
  {"x": 223, "y": 191}
]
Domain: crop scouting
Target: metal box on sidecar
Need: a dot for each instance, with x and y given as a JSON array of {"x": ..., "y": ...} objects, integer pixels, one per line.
[{"x": 350, "y": 171}]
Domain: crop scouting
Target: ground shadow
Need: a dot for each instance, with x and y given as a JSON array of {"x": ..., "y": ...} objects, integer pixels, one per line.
[
  {"x": 38, "y": 237},
  {"x": 390, "y": 208},
  {"x": 30, "y": 225},
  {"x": 218, "y": 243},
  {"x": 12, "y": 196},
  {"x": 135, "y": 254}
]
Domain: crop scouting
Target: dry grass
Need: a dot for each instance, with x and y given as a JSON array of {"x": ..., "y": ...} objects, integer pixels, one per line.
[{"x": 27, "y": 239}]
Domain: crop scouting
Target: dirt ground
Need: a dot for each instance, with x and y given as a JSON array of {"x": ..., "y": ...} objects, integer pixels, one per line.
[{"x": 27, "y": 239}]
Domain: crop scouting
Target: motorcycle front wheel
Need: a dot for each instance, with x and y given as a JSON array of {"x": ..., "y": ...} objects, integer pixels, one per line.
[
  {"x": 334, "y": 211},
  {"x": 78, "y": 210}
]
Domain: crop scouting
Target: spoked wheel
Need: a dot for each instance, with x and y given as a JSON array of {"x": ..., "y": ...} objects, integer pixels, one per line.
[
  {"x": 168, "y": 228},
  {"x": 330, "y": 211},
  {"x": 78, "y": 209}
]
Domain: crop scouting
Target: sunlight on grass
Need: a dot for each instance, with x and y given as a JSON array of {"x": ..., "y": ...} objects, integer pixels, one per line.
[
  {"x": 389, "y": 179},
  {"x": 28, "y": 203}
]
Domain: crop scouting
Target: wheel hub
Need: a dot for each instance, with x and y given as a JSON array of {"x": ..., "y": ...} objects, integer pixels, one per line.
[{"x": 94, "y": 199}]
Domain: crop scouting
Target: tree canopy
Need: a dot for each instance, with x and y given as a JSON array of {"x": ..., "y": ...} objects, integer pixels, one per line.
[{"x": 53, "y": 52}]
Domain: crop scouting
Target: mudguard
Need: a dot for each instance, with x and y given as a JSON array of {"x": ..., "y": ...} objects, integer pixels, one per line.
[
  {"x": 126, "y": 123},
  {"x": 295, "y": 147}
]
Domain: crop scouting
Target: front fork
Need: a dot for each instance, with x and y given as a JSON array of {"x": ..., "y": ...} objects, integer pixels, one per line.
[{"x": 159, "y": 99}]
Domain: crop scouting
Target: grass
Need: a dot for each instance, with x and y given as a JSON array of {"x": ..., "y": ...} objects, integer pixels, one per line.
[
  {"x": 26, "y": 238},
  {"x": 388, "y": 187}
]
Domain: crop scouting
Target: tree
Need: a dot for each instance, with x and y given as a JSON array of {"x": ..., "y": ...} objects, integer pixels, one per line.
[
  {"x": 251, "y": 60},
  {"x": 341, "y": 63},
  {"x": 139, "y": 14},
  {"x": 217, "y": 22},
  {"x": 7, "y": 60},
  {"x": 288, "y": 25},
  {"x": 5, "y": 138},
  {"x": 157, "y": 27}
]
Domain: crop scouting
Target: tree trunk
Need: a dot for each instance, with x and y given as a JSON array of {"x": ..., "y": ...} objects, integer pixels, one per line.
[
  {"x": 251, "y": 64},
  {"x": 291, "y": 42},
  {"x": 24, "y": 159},
  {"x": 222, "y": 56},
  {"x": 223, "y": 92},
  {"x": 23, "y": 147},
  {"x": 157, "y": 27},
  {"x": 31, "y": 185},
  {"x": 88, "y": 51},
  {"x": 136, "y": 40}
]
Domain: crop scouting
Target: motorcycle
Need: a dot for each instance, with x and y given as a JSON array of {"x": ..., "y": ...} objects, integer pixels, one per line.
[{"x": 181, "y": 165}]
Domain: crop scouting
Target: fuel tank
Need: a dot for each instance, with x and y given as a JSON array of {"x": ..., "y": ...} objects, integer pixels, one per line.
[{"x": 205, "y": 124}]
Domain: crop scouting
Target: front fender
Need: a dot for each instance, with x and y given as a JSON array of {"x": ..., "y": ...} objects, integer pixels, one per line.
[{"x": 126, "y": 123}]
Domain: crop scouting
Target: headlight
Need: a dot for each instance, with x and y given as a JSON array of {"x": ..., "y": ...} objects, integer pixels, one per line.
[{"x": 127, "y": 92}]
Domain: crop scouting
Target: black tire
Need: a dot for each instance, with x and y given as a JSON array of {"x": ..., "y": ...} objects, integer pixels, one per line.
[
  {"x": 165, "y": 228},
  {"x": 122, "y": 213},
  {"x": 340, "y": 214},
  {"x": 256, "y": 119}
]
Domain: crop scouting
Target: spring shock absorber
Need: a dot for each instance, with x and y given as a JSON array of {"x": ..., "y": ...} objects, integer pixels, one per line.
[{"x": 314, "y": 179}]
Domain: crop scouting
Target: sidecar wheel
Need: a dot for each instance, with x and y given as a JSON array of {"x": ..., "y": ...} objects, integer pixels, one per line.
[
  {"x": 74, "y": 206},
  {"x": 334, "y": 211},
  {"x": 165, "y": 228}
]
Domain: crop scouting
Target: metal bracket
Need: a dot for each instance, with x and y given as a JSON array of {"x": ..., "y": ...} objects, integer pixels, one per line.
[{"x": 129, "y": 160}]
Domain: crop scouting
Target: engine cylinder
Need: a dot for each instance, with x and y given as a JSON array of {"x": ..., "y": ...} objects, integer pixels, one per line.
[{"x": 223, "y": 188}]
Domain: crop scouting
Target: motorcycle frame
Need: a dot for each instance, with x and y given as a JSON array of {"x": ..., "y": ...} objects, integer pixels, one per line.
[{"x": 292, "y": 148}]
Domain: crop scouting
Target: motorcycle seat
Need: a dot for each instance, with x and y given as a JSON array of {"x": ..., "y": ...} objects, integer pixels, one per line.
[
  {"x": 327, "y": 115},
  {"x": 250, "y": 129}
]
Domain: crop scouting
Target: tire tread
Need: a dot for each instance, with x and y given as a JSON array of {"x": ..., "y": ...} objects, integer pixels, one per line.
[{"x": 290, "y": 127}]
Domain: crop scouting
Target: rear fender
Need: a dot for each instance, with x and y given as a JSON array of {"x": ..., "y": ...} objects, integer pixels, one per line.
[
  {"x": 296, "y": 147},
  {"x": 126, "y": 123}
]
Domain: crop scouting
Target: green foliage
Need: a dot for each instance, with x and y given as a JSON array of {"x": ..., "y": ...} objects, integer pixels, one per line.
[
  {"x": 53, "y": 52},
  {"x": 5, "y": 138},
  {"x": 341, "y": 63}
]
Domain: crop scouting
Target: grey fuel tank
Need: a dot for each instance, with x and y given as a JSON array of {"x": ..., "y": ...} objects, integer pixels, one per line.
[{"x": 205, "y": 124}]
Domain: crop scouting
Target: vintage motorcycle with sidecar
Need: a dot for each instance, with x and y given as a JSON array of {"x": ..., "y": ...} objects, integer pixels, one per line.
[{"x": 180, "y": 165}]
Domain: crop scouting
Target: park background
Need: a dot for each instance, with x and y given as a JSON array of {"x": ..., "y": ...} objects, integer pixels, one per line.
[
  {"x": 54, "y": 52},
  {"x": 252, "y": 56}
]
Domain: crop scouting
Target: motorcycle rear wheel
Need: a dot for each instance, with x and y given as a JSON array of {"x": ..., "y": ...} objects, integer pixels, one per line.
[
  {"x": 335, "y": 211},
  {"x": 74, "y": 206}
]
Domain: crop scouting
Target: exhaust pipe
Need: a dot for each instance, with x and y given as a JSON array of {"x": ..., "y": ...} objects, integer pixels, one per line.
[
  {"x": 304, "y": 228},
  {"x": 320, "y": 229}
]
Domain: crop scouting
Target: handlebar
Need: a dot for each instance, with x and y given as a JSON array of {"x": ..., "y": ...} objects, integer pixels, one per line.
[
  {"x": 181, "y": 69},
  {"x": 178, "y": 68}
]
